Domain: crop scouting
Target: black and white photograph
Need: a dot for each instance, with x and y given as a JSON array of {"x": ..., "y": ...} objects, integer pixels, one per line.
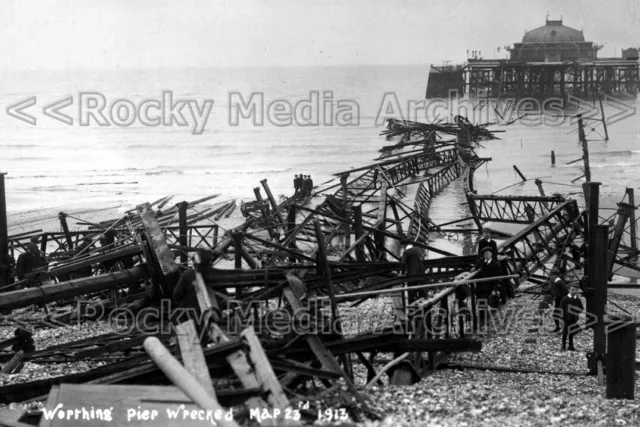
[{"x": 360, "y": 213}]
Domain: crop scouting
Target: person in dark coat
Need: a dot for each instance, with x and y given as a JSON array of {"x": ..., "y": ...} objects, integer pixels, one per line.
[
  {"x": 297, "y": 184},
  {"x": 487, "y": 241},
  {"x": 559, "y": 290},
  {"x": 488, "y": 267},
  {"x": 309, "y": 185},
  {"x": 27, "y": 261},
  {"x": 411, "y": 265},
  {"x": 303, "y": 185},
  {"x": 571, "y": 307}
]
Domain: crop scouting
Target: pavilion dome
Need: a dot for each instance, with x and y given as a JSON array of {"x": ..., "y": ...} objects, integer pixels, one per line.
[{"x": 553, "y": 32}]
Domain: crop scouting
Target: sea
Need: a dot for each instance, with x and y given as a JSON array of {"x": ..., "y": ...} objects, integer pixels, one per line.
[{"x": 107, "y": 139}]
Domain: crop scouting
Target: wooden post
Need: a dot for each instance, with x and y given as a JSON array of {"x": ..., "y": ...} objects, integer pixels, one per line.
[
  {"x": 585, "y": 149},
  {"x": 274, "y": 205},
  {"x": 624, "y": 212},
  {"x": 65, "y": 229},
  {"x": 598, "y": 281},
  {"x": 4, "y": 236},
  {"x": 553, "y": 157},
  {"x": 519, "y": 173},
  {"x": 237, "y": 245},
  {"x": 632, "y": 219},
  {"x": 326, "y": 273},
  {"x": 263, "y": 210},
  {"x": 182, "y": 222},
  {"x": 592, "y": 198},
  {"x": 604, "y": 120},
  {"x": 357, "y": 216},
  {"x": 621, "y": 358},
  {"x": 540, "y": 189}
]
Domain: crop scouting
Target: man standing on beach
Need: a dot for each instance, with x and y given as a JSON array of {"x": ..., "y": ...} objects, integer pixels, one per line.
[
  {"x": 28, "y": 262},
  {"x": 309, "y": 185},
  {"x": 296, "y": 185},
  {"x": 488, "y": 267},
  {"x": 571, "y": 307},
  {"x": 559, "y": 291},
  {"x": 411, "y": 265}
]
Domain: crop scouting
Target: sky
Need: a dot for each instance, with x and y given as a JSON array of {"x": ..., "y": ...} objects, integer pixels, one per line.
[{"x": 106, "y": 34}]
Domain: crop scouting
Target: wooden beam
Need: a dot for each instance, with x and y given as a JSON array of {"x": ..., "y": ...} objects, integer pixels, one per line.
[
  {"x": 157, "y": 240},
  {"x": 182, "y": 379},
  {"x": 192, "y": 355}
]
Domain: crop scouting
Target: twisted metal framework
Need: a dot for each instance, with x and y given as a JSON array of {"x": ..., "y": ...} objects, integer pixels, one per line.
[{"x": 512, "y": 209}]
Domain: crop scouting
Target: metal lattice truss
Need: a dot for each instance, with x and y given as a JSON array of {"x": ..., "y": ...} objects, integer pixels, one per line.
[
  {"x": 512, "y": 209},
  {"x": 548, "y": 237}
]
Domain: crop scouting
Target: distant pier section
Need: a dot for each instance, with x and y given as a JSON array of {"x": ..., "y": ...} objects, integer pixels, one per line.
[{"x": 551, "y": 61}]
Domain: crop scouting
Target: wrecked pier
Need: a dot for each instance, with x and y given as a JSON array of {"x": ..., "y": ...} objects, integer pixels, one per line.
[{"x": 312, "y": 260}]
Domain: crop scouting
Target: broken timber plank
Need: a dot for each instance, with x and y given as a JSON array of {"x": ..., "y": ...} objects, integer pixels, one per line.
[
  {"x": 183, "y": 379},
  {"x": 13, "y": 363},
  {"x": 157, "y": 240},
  {"x": 192, "y": 355}
]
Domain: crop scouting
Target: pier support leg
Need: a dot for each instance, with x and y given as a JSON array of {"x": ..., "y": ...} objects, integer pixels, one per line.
[
  {"x": 357, "y": 214},
  {"x": 263, "y": 211},
  {"x": 621, "y": 360},
  {"x": 598, "y": 281},
  {"x": 632, "y": 228},
  {"x": 272, "y": 200},
  {"x": 541, "y": 190},
  {"x": 553, "y": 157},
  {"x": 326, "y": 274},
  {"x": 519, "y": 173},
  {"x": 585, "y": 149},
  {"x": 65, "y": 229},
  {"x": 592, "y": 199},
  {"x": 182, "y": 223}
]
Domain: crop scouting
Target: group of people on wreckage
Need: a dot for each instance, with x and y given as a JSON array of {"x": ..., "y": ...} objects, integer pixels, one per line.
[
  {"x": 559, "y": 297},
  {"x": 303, "y": 185}
]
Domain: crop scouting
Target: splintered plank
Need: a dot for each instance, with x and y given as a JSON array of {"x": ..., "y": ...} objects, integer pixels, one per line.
[
  {"x": 184, "y": 380},
  {"x": 264, "y": 372},
  {"x": 192, "y": 355},
  {"x": 157, "y": 239}
]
